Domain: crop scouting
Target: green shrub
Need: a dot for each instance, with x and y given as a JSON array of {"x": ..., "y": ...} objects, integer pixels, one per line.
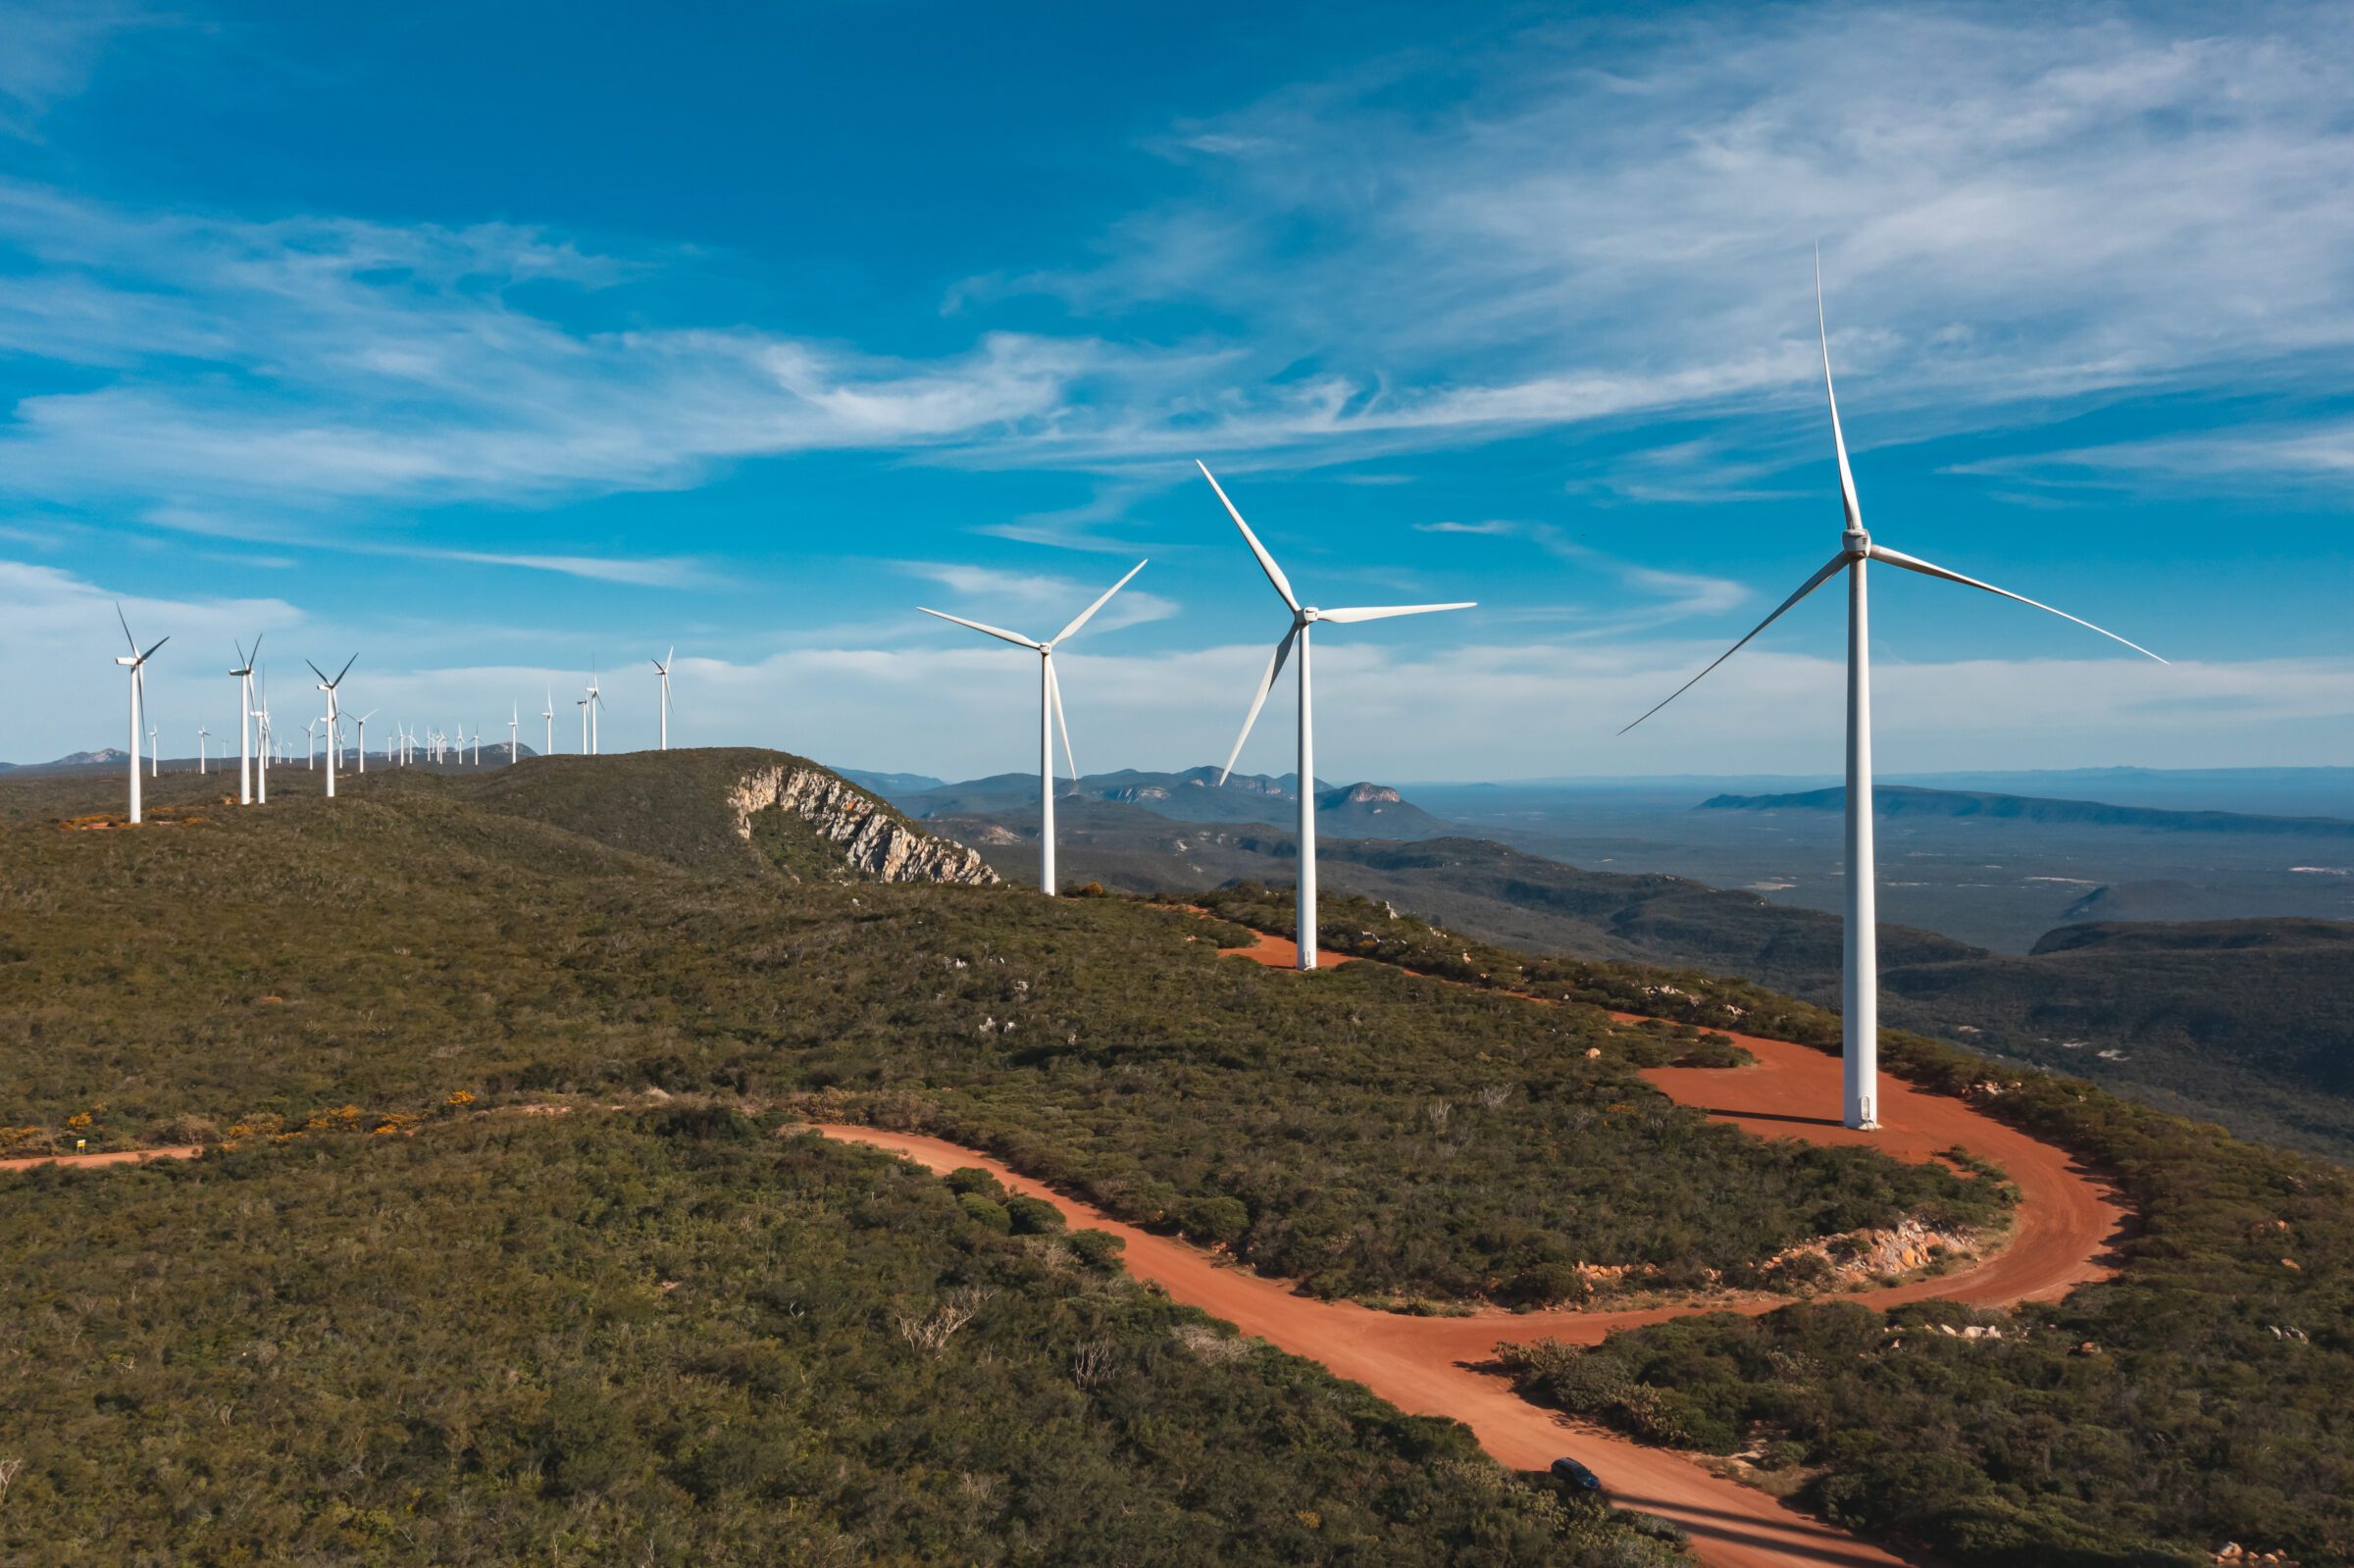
[{"x": 987, "y": 1212}]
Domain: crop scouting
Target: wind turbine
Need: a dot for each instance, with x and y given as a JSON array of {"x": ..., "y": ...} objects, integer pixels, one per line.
[
  {"x": 1050, "y": 717},
  {"x": 360, "y": 745},
  {"x": 581, "y": 703},
  {"x": 261, "y": 730},
  {"x": 136, "y": 664},
  {"x": 596, "y": 700},
  {"x": 1859, "y": 1049},
  {"x": 514, "y": 718},
  {"x": 155, "y": 755},
  {"x": 1303, "y": 618},
  {"x": 548, "y": 712},
  {"x": 244, "y": 675},
  {"x": 202, "y": 734},
  {"x": 333, "y": 713},
  {"x": 662, "y": 669}
]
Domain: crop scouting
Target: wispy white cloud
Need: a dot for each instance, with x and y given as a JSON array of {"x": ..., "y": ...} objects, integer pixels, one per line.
[
  {"x": 47, "y": 52},
  {"x": 2265, "y": 456},
  {"x": 1668, "y": 595}
]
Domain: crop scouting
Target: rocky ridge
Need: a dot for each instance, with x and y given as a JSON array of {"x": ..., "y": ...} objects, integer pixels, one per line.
[{"x": 876, "y": 843}]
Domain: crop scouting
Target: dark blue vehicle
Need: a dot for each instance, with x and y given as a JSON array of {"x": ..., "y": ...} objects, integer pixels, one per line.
[{"x": 1576, "y": 1475}]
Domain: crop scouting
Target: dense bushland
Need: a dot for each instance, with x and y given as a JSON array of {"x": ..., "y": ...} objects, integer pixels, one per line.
[{"x": 669, "y": 1339}]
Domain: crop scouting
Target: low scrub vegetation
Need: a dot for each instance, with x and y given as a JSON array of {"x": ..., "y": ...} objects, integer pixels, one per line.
[{"x": 668, "y": 1339}]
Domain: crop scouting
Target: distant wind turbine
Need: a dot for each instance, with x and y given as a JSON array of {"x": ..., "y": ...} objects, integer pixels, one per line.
[
  {"x": 548, "y": 712},
  {"x": 360, "y": 745},
  {"x": 596, "y": 700},
  {"x": 581, "y": 703},
  {"x": 202, "y": 734},
  {"x": 136, "y": 664},
  {"x": 514, "y": 718},
  {"x": 335, "y": 745},
  {"x": 1050, "y": 717},
  {"x": 1860, "y": 1002},
  {"x": 155, "y": 755},
  {"x": 1303, "y": 618},
  {"x": 662, "y": 669},
  {"x": 245, "y": 674}
]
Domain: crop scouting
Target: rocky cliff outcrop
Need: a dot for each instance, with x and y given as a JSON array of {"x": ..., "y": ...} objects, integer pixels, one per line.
[{"x": 875, "y": 843}]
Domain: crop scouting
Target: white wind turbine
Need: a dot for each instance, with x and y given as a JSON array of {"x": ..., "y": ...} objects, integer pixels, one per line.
[
  {"x": 1049, "y": 717},
  {"x": 581, "y": 703},
  {"x": 202, "y": 734},
  {"x": 547, "y": 711},
  {"x": 662, "y": 669},
  {"x": 261, "y": 729},
  {"x": 1861, "y": 990},
  {"x": 155, "y": 755},
  {"x": 1303, "y": 616},
  {"x": 514, "y": 718},
  {"x": 360, "y": 745},
  {"x": 596, "y": 701},
  {"x": 245, "y": 674},
  {"x": 137, "y": 663},
  {"x": 333, "y": 713}
]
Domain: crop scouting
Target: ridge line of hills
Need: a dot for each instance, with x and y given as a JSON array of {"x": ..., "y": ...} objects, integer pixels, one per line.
[{"x": 1905, "y": 800}]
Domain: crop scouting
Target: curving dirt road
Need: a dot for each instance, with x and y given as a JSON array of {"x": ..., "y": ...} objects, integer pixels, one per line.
[{"x": 2066, "y": 1224}]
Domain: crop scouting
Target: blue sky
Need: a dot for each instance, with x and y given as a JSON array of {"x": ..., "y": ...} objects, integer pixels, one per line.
[{"x": 489, "y": 342}]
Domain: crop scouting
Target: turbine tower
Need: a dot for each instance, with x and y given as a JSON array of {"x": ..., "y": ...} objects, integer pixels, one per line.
[
  {"x": 261, "y": 729},
  {"x": 1303, "y": 616},
  {"x": 596, "y": 700},
  {"x": 1859, "y": 1051},
  {"x": 548, "y": 712},
  {"x": 360, "y": 745},
  {"x": 1049, "y": 717},
  {"x": 514, "y": 718},
  {"x": 154, "y": 753},
  {"x": 662, "y": 669},
  {"x": 333, "y": 713},
  {"x": 136, "y": 664},
  {"x": 245, "y": 674},
  {"x": 202, "y": 734}
]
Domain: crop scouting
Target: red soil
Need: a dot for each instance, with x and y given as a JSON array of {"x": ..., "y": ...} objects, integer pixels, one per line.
[{"x": 119, "y": 1156}]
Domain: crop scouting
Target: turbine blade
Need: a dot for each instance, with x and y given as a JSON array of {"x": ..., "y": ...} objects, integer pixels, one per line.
[
  {"x": 126, "y": 620},
  {"x": 1910, "y": 563},
  {"x": 1055, "y": 691},
  {"x": 1266, "y": 683},
  {"x": 1382, "y": 612},
  {"x": 150, "y": 653},
  {"x": 346, "y": 670},
  {"x": 1809, "y": 585},
  {"x": 1847, "y": 479},
  {"x": 321, "y": 674},
  {"x": 994, "y": 632},
  {"x": 1083, "y": 615},
  {"x": 1266, "y": 562}
]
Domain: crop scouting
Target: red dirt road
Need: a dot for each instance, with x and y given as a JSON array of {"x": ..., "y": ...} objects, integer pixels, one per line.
[
  {"x": 119, "y": 1156},
  {"x": 2066, "y": 1224}
]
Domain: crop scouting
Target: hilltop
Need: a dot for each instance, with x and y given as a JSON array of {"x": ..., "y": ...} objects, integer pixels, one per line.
[{"x": 668, "y": 956}]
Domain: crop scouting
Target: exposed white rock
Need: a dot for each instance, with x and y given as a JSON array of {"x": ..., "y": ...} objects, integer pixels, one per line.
[{"x": 875, "y": 842}]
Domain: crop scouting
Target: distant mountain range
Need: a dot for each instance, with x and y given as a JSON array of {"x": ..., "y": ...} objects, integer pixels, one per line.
[
  {"x": 1194, "y": 795},
  {"x": 1905, "y": 800}
]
